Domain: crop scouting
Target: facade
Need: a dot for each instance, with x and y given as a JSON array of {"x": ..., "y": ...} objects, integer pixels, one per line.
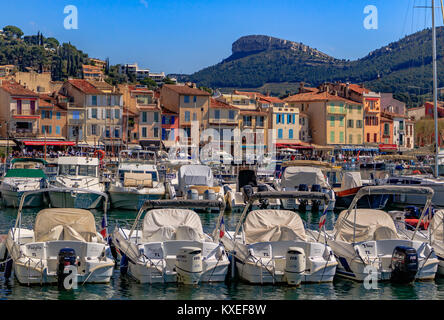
[
  {"x": 304, "y": 128},
  {"x": 223, "y": 116},
  {"x": 52, "y": 119},
  {"x": 37, "y": 82},
  {"x": 170, "y": 127},
  {"x": 98, "y": 63},
  {"x": 409, "y": 141},
  {"x": 90, "y": 72},
  {"x": 372, "y": 117},
  {"x": 417, "y": 113},
  {"x": 333, "y": 120},
  {"x": 19, "y": 116},
  {"x": 386, "y": 130},
  {"x": 190, "y": 103},
  {"x": 6, "y": 70},
  {"x": 254, "y": 125},
  {"x": 94, "y": 113},
  {"x": 390, "y": 104}
]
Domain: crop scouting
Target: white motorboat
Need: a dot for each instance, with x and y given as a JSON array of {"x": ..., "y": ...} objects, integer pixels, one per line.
[
  {"x": 137, "y": 180},
  {"x": 305, "y": 178},
  {"x": 366, "y": 241},
  {"x": 273, "y": 246},
  {"x": 77, "y": 172},
  {"x": 170, "y": 246},
  {"x": 63, "y": 241},
  {"x": 26, "y": 174},
  {"x": 247, "y": 184}
]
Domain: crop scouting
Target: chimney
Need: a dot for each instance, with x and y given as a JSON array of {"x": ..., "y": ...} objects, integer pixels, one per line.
[{"x": 301, "y": 87}]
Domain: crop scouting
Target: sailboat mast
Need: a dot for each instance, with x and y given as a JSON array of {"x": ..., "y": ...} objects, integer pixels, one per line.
[{"x": 435, "y": 91}]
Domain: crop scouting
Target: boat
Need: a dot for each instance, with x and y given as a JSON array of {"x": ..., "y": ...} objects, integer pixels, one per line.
[
  {"x": 170, "y": 245},
  {"x": 62, "y": 241},
  {"x": 137, "y": 180},
  {"x": 305, "y": 175},
  {"x": 273, "y": 246},
  {"x": 350, "y": 185},
  {"x": 197, "y": 182},
  {"x": 77, "y": 173},
  {"x": 247, "y": 184},
  {"x": 26, "y": 174},
  {"x": 366, "y": 241}
]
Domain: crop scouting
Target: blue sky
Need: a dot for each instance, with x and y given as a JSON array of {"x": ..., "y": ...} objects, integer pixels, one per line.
[{"x": 184, "y": 36}]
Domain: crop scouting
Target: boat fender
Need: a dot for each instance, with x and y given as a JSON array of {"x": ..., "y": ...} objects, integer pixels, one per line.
[
  {"x": 294, "y": 265},
  {"x": 404, "y": 264}
]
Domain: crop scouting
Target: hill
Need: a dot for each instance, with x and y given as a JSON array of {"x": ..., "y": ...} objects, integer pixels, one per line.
[{"x": 402, "y": 67}]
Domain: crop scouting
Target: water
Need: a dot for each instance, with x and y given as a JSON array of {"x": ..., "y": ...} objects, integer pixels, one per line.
[{"x": 125, "y": 288}]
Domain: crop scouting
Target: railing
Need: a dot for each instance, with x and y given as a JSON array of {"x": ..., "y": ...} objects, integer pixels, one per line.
[
  {"x": 214, "y": 120},
  {"x": 24, "y": 133},
  {"x": 369, "y": 110},
  {"x": 24, "y": 112}
]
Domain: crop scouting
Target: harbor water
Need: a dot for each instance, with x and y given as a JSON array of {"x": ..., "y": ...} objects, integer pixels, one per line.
[{"x": 125, "y": 288}]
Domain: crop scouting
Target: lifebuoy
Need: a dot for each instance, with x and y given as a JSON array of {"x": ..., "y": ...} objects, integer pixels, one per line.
[
  {"x": 416, "y": 172},
  {"x": 101, "y": 152}
]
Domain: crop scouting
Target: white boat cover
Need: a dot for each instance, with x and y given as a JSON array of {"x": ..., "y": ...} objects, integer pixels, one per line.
[
  {"x": 294, "y": 176},
  {"x": 370, "y": 225},
  {"x": 171, "y": 224},
  {"x": 64, "y": 224},
  {"x": 132, "y": 179},
  {"x": 351, "y": 180},
  {"x": 273, "y": 225},
  {"x": 195, "y": 175},
  {"x": 437, "y": 226}
]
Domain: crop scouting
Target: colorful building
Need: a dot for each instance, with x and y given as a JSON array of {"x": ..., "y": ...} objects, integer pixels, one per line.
[{"x": 52, "y": 118}]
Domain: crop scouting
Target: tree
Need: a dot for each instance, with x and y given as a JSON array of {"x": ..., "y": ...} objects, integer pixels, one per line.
[
  {"x": 150, "y": 83},
  {"x": 13, "y": 32}
]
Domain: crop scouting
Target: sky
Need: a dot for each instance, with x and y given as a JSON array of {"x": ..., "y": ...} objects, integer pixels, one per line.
[{"x": 184, "y": 36}]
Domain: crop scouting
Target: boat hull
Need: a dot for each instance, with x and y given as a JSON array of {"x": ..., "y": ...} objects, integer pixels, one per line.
[
  {"x": 344, "y": 199},
  {"x": 130, "y": 200},
  {"x": 12, "y": 199},
  {"x": 80, "y": 200}
]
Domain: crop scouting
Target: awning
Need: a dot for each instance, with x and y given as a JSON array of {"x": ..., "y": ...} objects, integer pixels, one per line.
[
  {"x": 357, "y": 148},
  {"x": 293, "y": 146},
  {"x": 388, "y": 147},
  {"x": 49, "y": 143}
]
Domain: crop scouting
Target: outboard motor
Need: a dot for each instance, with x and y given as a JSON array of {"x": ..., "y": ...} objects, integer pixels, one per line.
[
  {"x": 189, "y": 265},
  {"x": 294, "y": 265},
  {"x": 192, "y": 194},
  {"x": 248, "y": 191},
  {"x": 66, "y": 258},
  {"x": 316, "y": 204},
  {"x": 303, "y": 203},
  {"x": 404, "y": 264},
  {"x": 264, "y": 203}
]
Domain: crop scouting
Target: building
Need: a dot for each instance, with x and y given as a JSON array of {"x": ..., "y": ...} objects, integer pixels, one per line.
[
  {"x": 390, "y": 104},
  {"x": 223, "y": 117},
  {"x": 6, "y": 70},
  {"x": 386, "y": 133},
  {"x": 37, "y": 82},
  {"x": 52, "y": 118},
  {"x": 417, "y": 113},
  {"x": 90, "y": 72},
  {"x": 94, "y": 112},
  {"x": 304, "y": 128},
  {"x": 19, "y": 116},
  {"x": 98, "y": 63},
  {"x": 189, "y": 102},
  {"x": 333, "y": 120},
  {"x": 170, "y": 127},
  {"x": 240, "y": 99}
]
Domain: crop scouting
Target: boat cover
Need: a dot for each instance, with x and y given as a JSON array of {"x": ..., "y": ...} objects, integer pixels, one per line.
[
  {"x": 64, "y": 224},
  {"x": 273, "y": 225},
  {"x": 192, "y": 175},
  {"x": 351, "y": 180},
  {"x": 171, "y": 224},
  {"x": 294, "y": 176},
  {"x": 132, "y": 179},
  {"x": 370, "y": 225},
  {"x": 437, "y": 226}
]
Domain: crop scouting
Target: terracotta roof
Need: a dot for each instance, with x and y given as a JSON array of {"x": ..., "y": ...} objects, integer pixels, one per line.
[
  {"x": 168, "y": 111},
  {"x": 311, "y": 89},
  {"x": 16, "y": 89},
  {"x": 312, "y": 96},
  {"x": 357, "y": 88},
  {"x": 186, "y": 90},
  {"x": 250, "y": 94},
  {"x": 221, "y": 105},
  {"x": 253, "y": 113},
  {"x": 138, "y": 89},
  {"x": 84, "y": 86},
  {"x": 270, "y": 99}
]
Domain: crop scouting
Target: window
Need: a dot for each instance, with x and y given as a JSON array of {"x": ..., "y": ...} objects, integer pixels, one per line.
[
  {"x": 368, "y": 137},
  {"x": 401, "y": 125},
  {"x": 94, "y": 129},
  {"x": 341, "y": 137},
  {"x": 186, "y": 99},
  {"x": 231, "y": 114},
  {"x": 247, "y": 120},
  {"x": 359, "y": 109},
  {"x": 19, "y": 106},
  {"x": 280, "y": 133},
  {"x": 332, "y": 136},
  {"x": 116, "y": 113},
  {"x": 116, "y": 133},
  {"x": 144, "y": 132},
  {"x": 107, "y": 133},
  {"x": 94, "y": 113},
  {"x": 332, "y": 121},
  {"x": 386, "y": 129},
  {"x": 57, "y": 129},
  {"x": 94, "y": 100},
  {"x": 288, "y": 118},
  {"x": 144, "y": 116},
  {"x": 290, "y": 134},
  {"x": 156, "y": 132},
  {"x": 350, "y": 139},
  {"x": 341, "y": 121},
  {"x": 156, "y": 116},
  {"x": 217, "y": 114},
  {"x": 76, "y": 115},
  {"x": 375, "y": 137},
  {"x": 278, "y": 118},
  {"x": 359, "y": 139},
  {"x": 58, "y": 116},
  {"x": 194, "y": 99},
  {"x": 187, "y": 116},
  {"x": 194, "y": 116},
  {"x": 108, "y": 114},
  {"x": 349, "y": 123},
  {"x": 358, "y": 123}
]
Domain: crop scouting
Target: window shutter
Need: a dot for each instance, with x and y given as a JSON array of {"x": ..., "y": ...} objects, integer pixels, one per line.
[{"x": 89, "y": 113}]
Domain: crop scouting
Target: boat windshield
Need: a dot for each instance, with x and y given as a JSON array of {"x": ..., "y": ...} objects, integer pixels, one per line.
[
  {"x": 152, "y": 173},
  {"x": 81, "y": 170}
]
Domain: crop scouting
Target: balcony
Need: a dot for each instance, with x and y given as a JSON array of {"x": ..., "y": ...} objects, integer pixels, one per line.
[
  {"x": 336, "y": 110},
  {"x": 25, "y": 113},
  {"x": 75, "y": 121},
  {"x": 369, "y": 110},
  {"x": 24, "y": 133},
  {"x": 223, "y": 121}
]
